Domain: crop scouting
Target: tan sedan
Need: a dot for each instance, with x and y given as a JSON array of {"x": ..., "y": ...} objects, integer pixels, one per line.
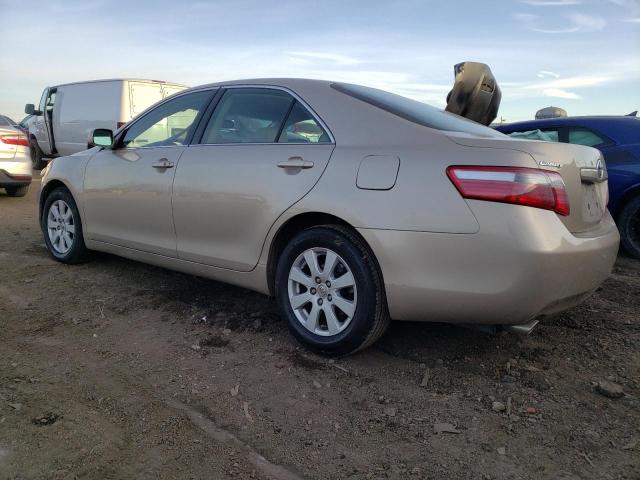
[{"x": 350, "y": 205}]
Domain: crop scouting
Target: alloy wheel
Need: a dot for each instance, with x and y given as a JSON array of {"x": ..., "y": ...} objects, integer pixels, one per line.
[
  {"x": 61, "y": 226},
  {"x": 322, "y": 291}
]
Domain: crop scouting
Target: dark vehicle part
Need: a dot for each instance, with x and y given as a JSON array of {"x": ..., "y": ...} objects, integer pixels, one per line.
[
  {"x": 475, "y": 94},
  {"x": 550, "y": 112}
]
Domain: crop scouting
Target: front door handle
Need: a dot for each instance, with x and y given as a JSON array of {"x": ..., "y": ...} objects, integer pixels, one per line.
[
  {"x": 163, "y": 163},
  {"x": 296, "y": 162}
]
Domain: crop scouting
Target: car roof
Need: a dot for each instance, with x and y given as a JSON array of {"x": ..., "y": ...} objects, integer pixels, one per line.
[
  {"x": 142, "y": 80},
  {"x": 577, "y": 120},
  {"x": 622, "y": 129},
  {"x": 291, "y": 83}
]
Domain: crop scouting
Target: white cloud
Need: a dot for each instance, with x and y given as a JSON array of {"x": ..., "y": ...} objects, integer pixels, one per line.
[
  {"x": 580, "y": 81},
  {"x": 578, "y": 22},
  {"x": 336, "y": 58},
  {"x": 547, "y": 73},
  {"x": 552, "y": 3},
  {"x": 560, "y": 93},
  {"x": 632, "y": 20}
]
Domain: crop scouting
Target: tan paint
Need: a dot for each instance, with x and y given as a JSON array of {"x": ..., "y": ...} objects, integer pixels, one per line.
[{"x": 442, "y": 258}]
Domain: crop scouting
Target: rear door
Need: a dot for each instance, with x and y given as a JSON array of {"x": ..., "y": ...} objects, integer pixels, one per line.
[{"x": 260, "y": 152}]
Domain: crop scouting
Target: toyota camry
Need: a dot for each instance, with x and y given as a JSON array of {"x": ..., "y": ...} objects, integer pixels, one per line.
[{"x": 351, "y": 206}]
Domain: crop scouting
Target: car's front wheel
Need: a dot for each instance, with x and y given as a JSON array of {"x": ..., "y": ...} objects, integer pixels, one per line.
[
  {"x": 329, "y": 288},
  {"x": 62, "y": 228},
  {"x": 629, "y": 226}
]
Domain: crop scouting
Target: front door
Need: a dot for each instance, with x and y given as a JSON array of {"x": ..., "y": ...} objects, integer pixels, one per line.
[
  {"x": 260, "y": 152},
  {"x": 42, "y": 124},
  {"x": 128, "y": 188}
]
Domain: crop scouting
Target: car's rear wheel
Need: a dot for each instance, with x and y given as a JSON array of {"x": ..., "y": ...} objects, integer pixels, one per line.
[
  {"x": 62, "y": 227},
  {"x": 36, "y": 155},
  {"x": 629, "y": 226},
  {"x": 17, "y": 191},
  {"x": 329, "y": 288}
]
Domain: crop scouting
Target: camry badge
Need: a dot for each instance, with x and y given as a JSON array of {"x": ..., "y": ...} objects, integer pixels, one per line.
[{"x": 544, "y": 163}]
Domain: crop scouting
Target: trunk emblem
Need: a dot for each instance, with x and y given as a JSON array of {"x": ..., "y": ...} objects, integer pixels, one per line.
[
  {"x": 600, "y": 170},
  {"x": 544, "y": 163}
]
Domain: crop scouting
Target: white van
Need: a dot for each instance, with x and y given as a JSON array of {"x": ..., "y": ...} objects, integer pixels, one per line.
[{"x": 68, "y": 113}]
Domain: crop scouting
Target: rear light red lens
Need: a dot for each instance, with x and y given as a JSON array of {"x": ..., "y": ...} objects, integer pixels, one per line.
[
  {"x": 120, "y": 124},
  {"x": 21, "y": 178},
  {"x": 518, "y": 185},
  {"x": 15, "y": 139}
]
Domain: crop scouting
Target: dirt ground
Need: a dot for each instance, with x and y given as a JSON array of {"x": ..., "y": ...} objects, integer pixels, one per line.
[{"x": 118, "y": 370}]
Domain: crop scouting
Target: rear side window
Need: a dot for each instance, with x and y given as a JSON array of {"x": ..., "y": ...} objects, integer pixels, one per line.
[
  {"x": 248, "y": 115},
  {"x": 583, "y": 136},
  {"x": 546, "y": 135},
  {"x": 302, "y": 127},
  {"x": 414, "y": 111}
]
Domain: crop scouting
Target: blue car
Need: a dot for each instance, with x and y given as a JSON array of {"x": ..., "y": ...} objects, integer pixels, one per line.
[{"x": 618, "y": 138}]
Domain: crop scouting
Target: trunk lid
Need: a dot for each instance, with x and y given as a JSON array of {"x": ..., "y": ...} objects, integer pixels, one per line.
[{"x": 582, "y": 168}]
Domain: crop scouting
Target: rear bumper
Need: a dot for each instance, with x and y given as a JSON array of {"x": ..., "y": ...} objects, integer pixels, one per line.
[
  {"x": 14, "y": 179},
  {"x": 522, "y": 263},
  {"x": 16, "y": 171}
]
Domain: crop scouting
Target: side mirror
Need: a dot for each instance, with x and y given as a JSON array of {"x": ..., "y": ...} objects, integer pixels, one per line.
[
  {"x": 101, "y": 137},
  {"x": 30, "y": 109}
]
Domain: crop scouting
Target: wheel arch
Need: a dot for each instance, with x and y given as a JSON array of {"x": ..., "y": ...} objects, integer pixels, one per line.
[
  {"x": 300, "y": 222},
  {"x": 47, "y": 189},
  {"x": 625, "y": 198}
]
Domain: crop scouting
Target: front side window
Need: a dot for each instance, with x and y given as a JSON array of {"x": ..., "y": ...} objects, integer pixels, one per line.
[
  {"x": 582, "y": 136},
  {"x": 43, "y": 100},
  {"x": 302, "y": 127},
  {"x": 172, "y": 123},
  {"x": 248, "y": 115}
]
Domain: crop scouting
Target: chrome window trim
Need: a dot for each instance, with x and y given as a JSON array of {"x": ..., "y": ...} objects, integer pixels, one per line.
[{"x": 296, "y": 97}]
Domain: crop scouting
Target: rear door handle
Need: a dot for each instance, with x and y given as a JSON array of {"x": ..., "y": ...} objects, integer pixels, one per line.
[
  {"x": 296, "y": 162},
  {"x": 163, "y": 163}
]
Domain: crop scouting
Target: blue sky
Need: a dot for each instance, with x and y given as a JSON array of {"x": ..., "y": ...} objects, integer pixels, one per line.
[{"x": 581, "y": 55}]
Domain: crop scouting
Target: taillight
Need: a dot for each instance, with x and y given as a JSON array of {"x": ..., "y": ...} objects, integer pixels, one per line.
[
  {"x": 15, "y": 139},
  {"x": 517, "y": 185},
  {"x": 120, "y": 124}
]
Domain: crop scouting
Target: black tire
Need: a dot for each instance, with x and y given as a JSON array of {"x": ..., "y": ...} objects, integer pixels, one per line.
[
  {"x": 17, "y": 191},
  {"x": 371, "y": 317},
  {"x": 36, "y": 155},
  {"x": 78, "y": 252},
  {"x": 629, "y": 226}
]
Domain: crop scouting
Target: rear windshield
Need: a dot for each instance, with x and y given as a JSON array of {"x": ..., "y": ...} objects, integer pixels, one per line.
[{"x": 414, "y": 111}]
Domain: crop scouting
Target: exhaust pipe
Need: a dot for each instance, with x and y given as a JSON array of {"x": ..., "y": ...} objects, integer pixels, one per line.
[{"x": 523, "y": 330}]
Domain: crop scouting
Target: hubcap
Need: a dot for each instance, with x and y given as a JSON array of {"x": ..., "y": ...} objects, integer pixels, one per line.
[
  {"x": 322, "y": 291},
  {"x": 61, "y": 226}
]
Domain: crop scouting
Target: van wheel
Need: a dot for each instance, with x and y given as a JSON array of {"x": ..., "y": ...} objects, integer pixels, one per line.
[
  {"x": 36, "y": 155},
  {"x": 17, "y": 191},
  {"x": 330, "y": 290},
  {"x": 62, "y": 228},
  {"x": 629, "y": 226}
]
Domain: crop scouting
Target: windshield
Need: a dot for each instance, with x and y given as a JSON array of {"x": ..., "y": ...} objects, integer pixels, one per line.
[
  {"x": 6, "y": 121},
  {"x": 414, "y": 111}
]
